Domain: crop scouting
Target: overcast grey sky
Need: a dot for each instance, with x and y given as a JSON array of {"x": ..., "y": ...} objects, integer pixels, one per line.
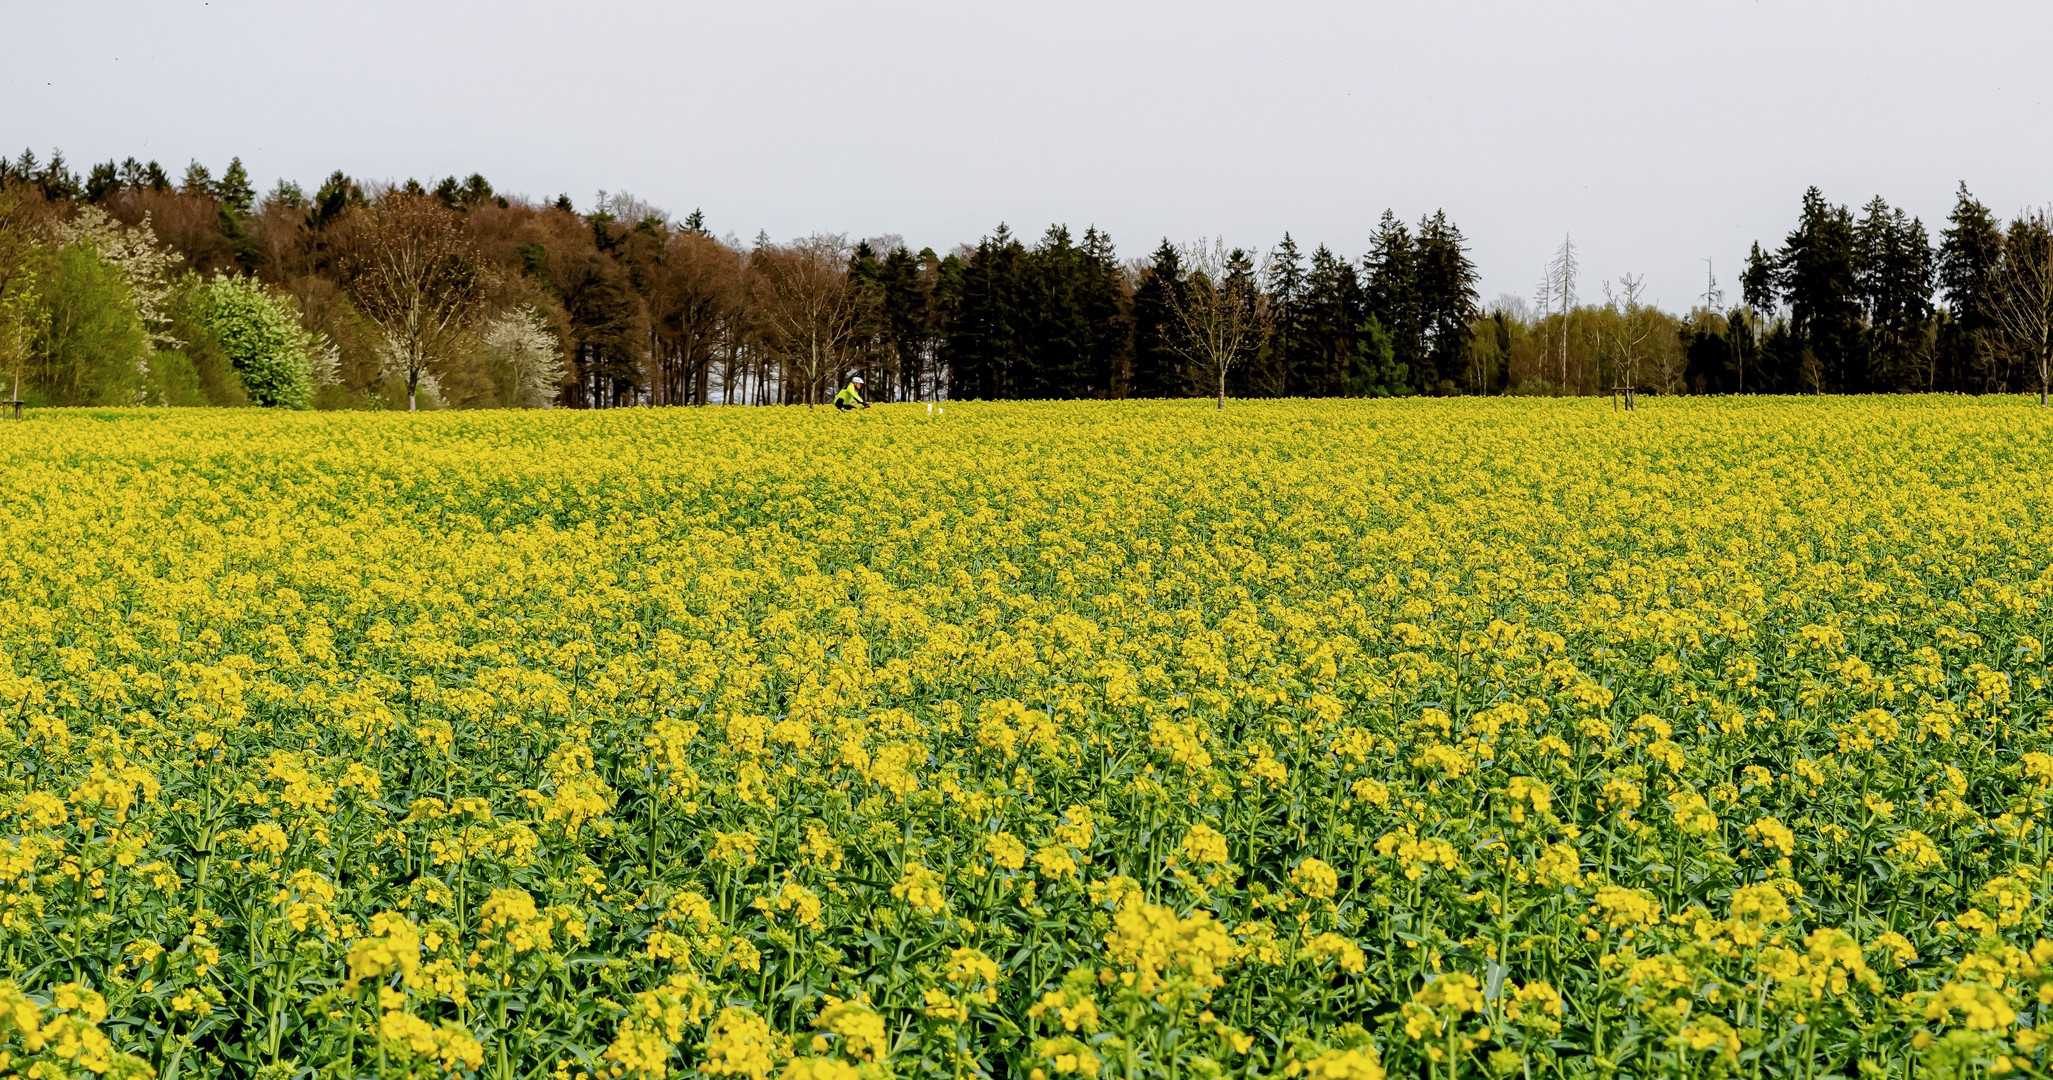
[{"x": 1657, "y": 133}]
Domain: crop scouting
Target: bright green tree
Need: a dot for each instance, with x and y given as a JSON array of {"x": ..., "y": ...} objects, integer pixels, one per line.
[
  {"x": 264, "y": 341},
  {"x": 196, "y": 370},
  {"x": 1376, "y": 371},
  {"x": 92, "y": 344}
]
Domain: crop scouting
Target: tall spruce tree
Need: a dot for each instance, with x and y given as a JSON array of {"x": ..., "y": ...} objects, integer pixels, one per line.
[
  {"x": 904, "y": 313},
  {"x": 985, "y": 347},
  {"x": 1072, "y": 320},
  {"x": 1970, "y": 255},
  {"x": 1893, "y": 266},
  {"x": 1103, "y": 301},
  {"x": 234, "y": 190},
  {"x": 1447, "y": 302},
  {"x": 1391, "y": 294},
  {"x": 869, "y": 346},
  {"x": 1273, "y": 372},
  {"x": 1157, "y": 364},
  {"x": 1816, "y": 277},
  {"x": 1333, "y": 312}
]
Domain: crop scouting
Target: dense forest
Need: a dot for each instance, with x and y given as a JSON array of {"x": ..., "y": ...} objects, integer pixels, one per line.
[{"x": 124, "y": 286}]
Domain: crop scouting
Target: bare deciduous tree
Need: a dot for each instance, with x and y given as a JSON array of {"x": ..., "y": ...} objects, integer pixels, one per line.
[
  {"x": 1635, "y": 328},
  {"x": 1560, "y": 287},
  {"x": 412, "y": 271},
  {"x": 807, "y": 305},
  {"x": 695, "y": 297},
  {"x": 1221, "y": 314},
  {"x": 2025, "y": 309}
]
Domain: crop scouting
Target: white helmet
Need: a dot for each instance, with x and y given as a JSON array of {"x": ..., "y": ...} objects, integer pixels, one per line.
[{"x": 858, "y": 380}]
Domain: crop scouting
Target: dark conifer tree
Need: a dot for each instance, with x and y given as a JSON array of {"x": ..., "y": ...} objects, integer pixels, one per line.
[
  {"x": 1332, "y": 314},
  {"x": 1706, "y": 353},
  {"x": 1054, "y": 341},
  {"x": 1970, "y": 254},
  {"x": 1741, "y": 325},
  {"x": 1893, "y": 264},
  {"x": 1102, "y": 297},
  {"x": 1274, "y": 372},
  {"x": 1391, "y": 294},
  {"x": 102, "y": 182},
  {"x": 198, "y": 180},
  {"x": 234, "y": 190},
  {"x": 1375, "y": 371},
  {"x": 23, "y": 169},
  {"x": 986, "y": 349},
  {"x": 336, "y": 194},
  {"x": 904, "y": 315},
  {"x": 56, "y": 179},
  {"x": 1447, "y": 301},
  {"x": 1757, "y": 282},
  {"x": 1816, "y": 278},
  {"x": 869, "y": 347},
  {"x": 1157, "y": 363}
]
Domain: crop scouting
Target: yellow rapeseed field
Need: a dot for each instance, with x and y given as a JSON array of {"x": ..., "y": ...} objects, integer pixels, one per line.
[{"x": 1327, "y": 740}]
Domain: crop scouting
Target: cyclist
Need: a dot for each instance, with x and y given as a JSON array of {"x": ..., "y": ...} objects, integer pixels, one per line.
[{"x": 851, "y": 395}]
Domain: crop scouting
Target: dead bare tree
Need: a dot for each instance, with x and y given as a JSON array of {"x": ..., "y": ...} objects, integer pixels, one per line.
[
  {"x": 1560, "y": 277},
  {"x": 1221, "y": 315},
  {"x": 2025, "y": 309},
  {"x": 1635, "y": 327},
  {"x": 808, "y": 307},
  {"x": 409, "y": 265}
]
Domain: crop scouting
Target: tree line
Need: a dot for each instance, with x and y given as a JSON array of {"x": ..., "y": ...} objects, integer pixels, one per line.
[{"x": 125, "y": 286}]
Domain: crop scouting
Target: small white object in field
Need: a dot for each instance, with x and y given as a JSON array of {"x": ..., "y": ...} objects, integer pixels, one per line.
[{"x": 930, "y": 408}]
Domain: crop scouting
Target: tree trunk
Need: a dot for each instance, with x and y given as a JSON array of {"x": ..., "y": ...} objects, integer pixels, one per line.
[{"x": 1222, "y": 389}]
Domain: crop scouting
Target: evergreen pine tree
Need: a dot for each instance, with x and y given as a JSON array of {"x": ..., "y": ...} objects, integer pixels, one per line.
[
  {"x": 869, "y": 345},
  {"x": 1376, "y": 371},
  {"x": 1757, "y": 283},
  {"x": 337, "y": 194},
  {"x": 1970, "y": 253},
  {"x": 1446, "y": 301},
  {"x": 198, "y": 180},
  {"x": 1392, "y": 295},
  {"x": 102, "y": 182},
  {"x": 1740, "y": 326},
  {"x": 1893, "y": 264},
  {"x": 1706, "y": 353},
  {"x": 1055, "y": 335},
  {"x": 1332, "y": 312},
  {"x": 984, "y": 346},
  {"x": 1102, "y": 297},
  {"x": 57, "y": 180},
  {"x": 234, "y": 190},
  {"x": 1275, "y": 372},
  {"x": 902, "y": 314},
  {"x": 1157, "y": 364},
  {"x": 1816, "y": 275}
]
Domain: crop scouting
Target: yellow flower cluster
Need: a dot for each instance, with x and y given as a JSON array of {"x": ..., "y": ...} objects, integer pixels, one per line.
[{"x": 1081, "y": 739}]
